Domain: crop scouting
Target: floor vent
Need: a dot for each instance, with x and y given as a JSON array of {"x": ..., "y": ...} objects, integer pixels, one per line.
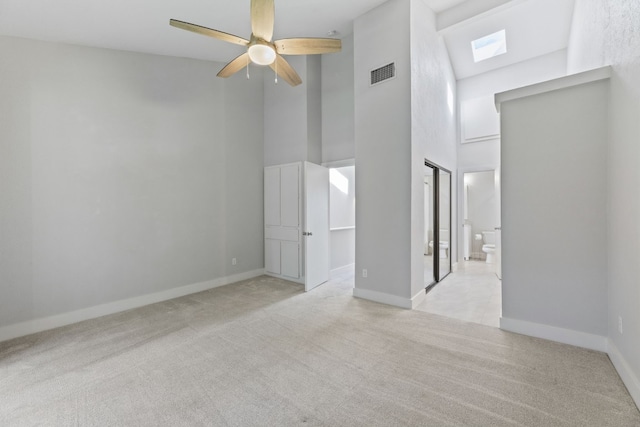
[{"x": 383, "y": 73}]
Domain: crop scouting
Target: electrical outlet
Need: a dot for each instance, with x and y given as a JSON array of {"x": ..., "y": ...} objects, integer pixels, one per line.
[
  {"x": 364, "y": 273},
  {"x": 620, "y": 324},
  {"x": 234, "y": 261}
]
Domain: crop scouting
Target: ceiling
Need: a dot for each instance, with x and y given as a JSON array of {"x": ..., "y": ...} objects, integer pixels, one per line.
[
  {"x": 143, "y": 25},
  {"x": 533, "y": 28}
]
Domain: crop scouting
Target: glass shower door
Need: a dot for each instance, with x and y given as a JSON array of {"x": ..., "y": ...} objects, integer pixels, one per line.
[
  {"x": 429, "y": 234},
  {"x": 444, "y": 226},
  {"x": 437, "y": 220}
]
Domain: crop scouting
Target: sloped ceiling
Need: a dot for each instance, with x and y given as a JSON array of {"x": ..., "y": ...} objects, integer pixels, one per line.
[
  {"x": 534, "y": 27},
  {"x": 143, "y": 25}
]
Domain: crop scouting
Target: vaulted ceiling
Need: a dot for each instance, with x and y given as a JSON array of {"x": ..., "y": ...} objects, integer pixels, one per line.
[{"x": 534, "y": 27}]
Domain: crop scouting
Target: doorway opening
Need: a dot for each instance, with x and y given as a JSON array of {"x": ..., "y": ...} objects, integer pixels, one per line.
[
  {"x": 437, "y": 224},
  {"x": 473, "y": 293},
  {"x": 342, "y": 220}
]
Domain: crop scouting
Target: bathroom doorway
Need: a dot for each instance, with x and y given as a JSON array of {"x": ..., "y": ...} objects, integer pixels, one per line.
[
  {"x": 437, "y": 224},
  {"x": 480, "y": 216},
  {"x": 473, "y": 293}
]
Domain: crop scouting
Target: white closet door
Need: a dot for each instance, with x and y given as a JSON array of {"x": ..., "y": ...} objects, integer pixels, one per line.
[
  {"x": 272, "y": 256},
  {"x": 290, "y": 196},
  {"x": 282, "y": 220},
  {"x": 316, "y": 202},
  {"x": 272, "y": 197},
  {"x": 290, "y": 261}
]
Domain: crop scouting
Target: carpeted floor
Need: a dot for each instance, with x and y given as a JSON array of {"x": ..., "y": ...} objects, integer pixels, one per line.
[{"x": 263, "y": 352}]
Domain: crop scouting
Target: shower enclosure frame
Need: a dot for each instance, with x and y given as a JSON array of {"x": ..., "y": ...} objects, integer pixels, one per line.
[{"x": 436, "y": 224}]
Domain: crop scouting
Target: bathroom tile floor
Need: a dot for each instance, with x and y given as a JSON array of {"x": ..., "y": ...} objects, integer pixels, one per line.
[{"x": 472, "y": 293}]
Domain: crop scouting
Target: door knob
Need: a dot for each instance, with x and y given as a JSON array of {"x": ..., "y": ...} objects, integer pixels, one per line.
[{"x": 307, "y": 233}]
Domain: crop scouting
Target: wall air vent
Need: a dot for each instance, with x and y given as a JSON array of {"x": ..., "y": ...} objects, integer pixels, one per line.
[{"x": 383, "y": 73}]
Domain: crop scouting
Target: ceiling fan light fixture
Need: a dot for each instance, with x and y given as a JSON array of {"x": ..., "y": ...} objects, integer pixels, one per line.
[{"x": 262, "y": 54}]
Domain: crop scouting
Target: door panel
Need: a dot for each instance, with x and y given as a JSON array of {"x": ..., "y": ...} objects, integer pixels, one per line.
[
  {"x": 290, "y": 193},
  {"x": 272, "y": 256},
  {"x": 272, "y": 197},
  {"x": 316, "y": 211},
  {"x": 279, "y": 233},
  {"x": 290, "y": 261},
  {"x": 437, "y": 224},
  {"x": 429, "y": 235},
  {"x": 444, "y": 228}
]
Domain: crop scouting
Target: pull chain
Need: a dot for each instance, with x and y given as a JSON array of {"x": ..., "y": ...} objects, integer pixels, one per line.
[
  {"x": 276, "y": 70},
  {"x": 247, "y": 67}
]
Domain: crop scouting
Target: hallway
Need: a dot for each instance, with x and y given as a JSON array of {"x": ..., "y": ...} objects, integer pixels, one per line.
[{"x": 472, "y": 293}]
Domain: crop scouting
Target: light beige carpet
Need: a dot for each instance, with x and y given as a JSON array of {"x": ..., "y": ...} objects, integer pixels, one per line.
[{"x": 263, "y": 352}]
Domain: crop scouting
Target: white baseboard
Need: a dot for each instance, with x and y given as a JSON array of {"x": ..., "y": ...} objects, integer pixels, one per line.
[
  {"x": 45, "y": 323},
  {"x": 388, "y": 299},
  {"x": 552, "y": 333},
  {"x": 629, "y": 378},
  {"x": 418, "y": 298},
  {"x": 299, "y": 280}
]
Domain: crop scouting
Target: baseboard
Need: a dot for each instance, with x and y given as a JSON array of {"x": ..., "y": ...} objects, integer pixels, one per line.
[
  {"x": 629, "y": 378},
  {"x": 383, "y": 298},
  {"x": 418, "y": 298},
  {"x": 552, "y": 333},
  {"x": 299, "y": 280},
  {"x": 45, "y": 323},
  {"x": 343, "y": 269}
]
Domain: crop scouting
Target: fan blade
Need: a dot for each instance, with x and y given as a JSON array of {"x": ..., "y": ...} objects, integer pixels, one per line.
[
  {"x": 307, "y": 46},
  {"x": 209, "y": 32},
  {"x": 262, "y": 18},
  {"x": 234, "y": 66},
  {"x": 286, "y": 71}
]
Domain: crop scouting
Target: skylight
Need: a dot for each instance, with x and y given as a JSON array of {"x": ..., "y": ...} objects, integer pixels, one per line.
[{"x": 489, "y": 46}]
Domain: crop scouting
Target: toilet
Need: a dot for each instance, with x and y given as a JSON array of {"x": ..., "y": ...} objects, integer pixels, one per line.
[
  {"x": 443, "y": 246},
  {"x": 489, "y": 245}
]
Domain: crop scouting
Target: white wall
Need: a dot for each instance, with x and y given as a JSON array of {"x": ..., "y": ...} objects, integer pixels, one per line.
[
  {"x": 554, "y": 211},
  {"x": 433, "y": 126},
  {"x": 606, "y": 32},
  {"x": 338, "y": 104},
  {"x": 342, "y": 216},
  {"x": 486, "y": 154},
  {"x": 121, "y": 174}
]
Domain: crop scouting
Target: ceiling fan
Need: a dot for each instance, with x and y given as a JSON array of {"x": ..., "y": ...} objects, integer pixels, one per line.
[{"x": 260, "y": 49}]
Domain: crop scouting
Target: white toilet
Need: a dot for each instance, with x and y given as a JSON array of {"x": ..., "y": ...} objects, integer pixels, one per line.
[
  {"x": 443, "y": 248},
  {"x": 489, "y": 246}
]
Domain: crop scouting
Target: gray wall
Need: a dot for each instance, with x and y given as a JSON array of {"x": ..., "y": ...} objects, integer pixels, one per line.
[
  {"x": 554, "y": 208},
  {"x": 433, "y": 127},
  {"x": 292, "y": 115},
  {"x": 398, "y": 124},
  {"x": 607, "y": 33},
  {"x": 383, "y": 152},
  {"x": 121, "y": 174},
  {"x": 485, "y": 155},
  {"x": 338, "y": 140}
]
